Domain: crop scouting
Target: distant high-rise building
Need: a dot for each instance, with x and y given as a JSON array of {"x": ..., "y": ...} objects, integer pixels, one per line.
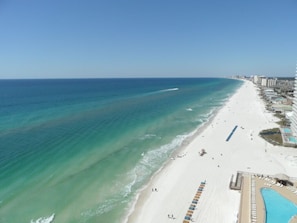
[
  {"x": 257, "y": 79},
  {"x": 294, "y": 109},
  {"x": 271, "y": 82},
  {"x": 264, "y": 82}
]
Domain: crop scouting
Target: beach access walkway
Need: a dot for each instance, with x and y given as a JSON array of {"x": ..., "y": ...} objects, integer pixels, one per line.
[{"x": 231, "y": 134}]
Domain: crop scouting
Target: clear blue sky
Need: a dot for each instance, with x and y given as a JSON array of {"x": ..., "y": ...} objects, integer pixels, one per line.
[{"x": 147, "y": 38}]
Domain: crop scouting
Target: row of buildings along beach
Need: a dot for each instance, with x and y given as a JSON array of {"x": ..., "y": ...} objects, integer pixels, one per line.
[{"x": 280, "y": 96}]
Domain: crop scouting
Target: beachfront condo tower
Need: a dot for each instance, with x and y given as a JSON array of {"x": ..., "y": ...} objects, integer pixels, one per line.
[{"x": 294, "y": 109}]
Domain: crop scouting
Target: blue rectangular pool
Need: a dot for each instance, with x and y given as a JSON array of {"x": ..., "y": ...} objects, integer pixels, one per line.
[
  {"x": 292, "y": 139},
  {"x": 287, "y": 130}
]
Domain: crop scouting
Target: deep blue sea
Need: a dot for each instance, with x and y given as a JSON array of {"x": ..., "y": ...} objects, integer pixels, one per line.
[{"x": 80, "y": 150}]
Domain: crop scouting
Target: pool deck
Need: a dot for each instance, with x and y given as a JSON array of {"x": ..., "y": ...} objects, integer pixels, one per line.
[
  {"x": 288, "y": 138},
  {"x": 252, "y": 207}
]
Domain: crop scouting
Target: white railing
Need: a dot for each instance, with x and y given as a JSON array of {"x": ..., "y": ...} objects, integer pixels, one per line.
[{"x": 253, "y": 201}]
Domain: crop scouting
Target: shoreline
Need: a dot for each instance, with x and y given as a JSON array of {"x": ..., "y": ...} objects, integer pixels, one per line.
[
  {"x": 178, "y": 179},
  {"x": 144, "y": 192}
]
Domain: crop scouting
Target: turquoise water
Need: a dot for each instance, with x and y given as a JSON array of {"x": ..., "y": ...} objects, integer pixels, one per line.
[
  {"x": 292, "y": 139},
  {"x": 278, "y": 208},
  {"x": 286, "y": 130},
  {"x": 81, "y": 150}
]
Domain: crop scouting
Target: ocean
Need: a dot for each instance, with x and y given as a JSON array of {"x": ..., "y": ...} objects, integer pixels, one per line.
[{"x": 81, "y": 150}]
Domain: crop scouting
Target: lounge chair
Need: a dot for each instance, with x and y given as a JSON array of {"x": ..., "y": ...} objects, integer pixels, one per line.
[
  {"x": 187, "y": 217},
  {"x": 191, "y": 208},
  {"x": 189, "y": 214}
]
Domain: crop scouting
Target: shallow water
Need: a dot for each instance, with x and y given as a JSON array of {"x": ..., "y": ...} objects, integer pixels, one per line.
[{"x": 82, "y": 149}]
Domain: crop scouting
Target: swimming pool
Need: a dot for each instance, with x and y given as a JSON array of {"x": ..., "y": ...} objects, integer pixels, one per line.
[
  {"x": 292, "y": 139},
  {"x": 287, "y": 130},
  {"x": 278, "y": 208}
]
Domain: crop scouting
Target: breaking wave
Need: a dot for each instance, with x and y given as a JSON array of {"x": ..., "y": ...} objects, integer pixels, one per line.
[{"x": 44, "y": 219}]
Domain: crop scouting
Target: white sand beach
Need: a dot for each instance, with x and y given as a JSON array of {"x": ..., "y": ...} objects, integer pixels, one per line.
[{"x": 178, "y": 181}]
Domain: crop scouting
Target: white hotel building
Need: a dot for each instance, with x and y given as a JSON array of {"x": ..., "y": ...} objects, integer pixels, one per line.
[{"x": 294, "y": 109}]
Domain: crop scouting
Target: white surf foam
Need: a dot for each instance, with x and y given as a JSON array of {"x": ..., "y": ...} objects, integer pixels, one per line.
[
  {"x": 147, "y": 136},
  {"x": 44, "y": 219},
  {"x": 100, "y": 209},
  {"x": 152, "y": 159},
  {"x": 148, "y": 165}
]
